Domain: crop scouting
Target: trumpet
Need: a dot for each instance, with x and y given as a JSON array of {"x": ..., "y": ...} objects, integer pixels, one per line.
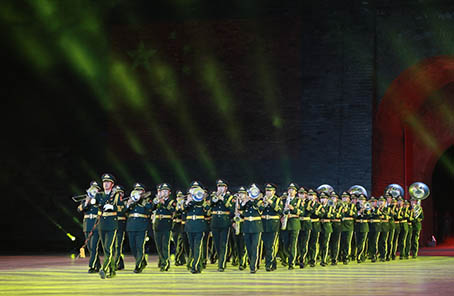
[
  {"x": 91, "y": 193},
  {"x": 214, "y": 197},
  {"x": 137, "y": 196}
]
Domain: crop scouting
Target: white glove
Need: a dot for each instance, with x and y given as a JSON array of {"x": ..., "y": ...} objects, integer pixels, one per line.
[
  {"x": 92, "y": 201},
  {"x": 108, "y": 207}
]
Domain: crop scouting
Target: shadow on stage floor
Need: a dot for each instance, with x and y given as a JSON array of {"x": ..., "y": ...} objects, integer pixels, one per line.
[{"x": 63, "y": 275}]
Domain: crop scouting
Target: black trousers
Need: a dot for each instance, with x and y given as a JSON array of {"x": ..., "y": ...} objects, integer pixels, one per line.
[
  {"x": 137, "y": 241},
  {"x": 119, "y": 262},
  {"x": 334, "y": 245},
  {"x": 361, "y": 245},
  {"x": 252, "y": 241},
  {"x": 313, "y": 246}
]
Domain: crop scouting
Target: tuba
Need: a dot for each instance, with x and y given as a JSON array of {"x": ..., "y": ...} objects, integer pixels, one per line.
[
  {"x": 198, "y": 194},
  {"x": 419, "y": 191},
  {"x": 253, "y": 191},
  {"x": 394, "y": 190},
  {"x": 358, "y": 190},
  {"x": 325, "y": 188}
]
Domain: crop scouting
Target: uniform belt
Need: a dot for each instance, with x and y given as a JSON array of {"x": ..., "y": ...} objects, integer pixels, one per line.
[
  {"x": 325, "y": 220},
  {"x": 362, "y": 221},
  {"x": 194, "y": 217},
  {"x": 208, "y": 218},
  {"x": 90, "y": 216},
  {"x": 396, "y": 222},
  {"x": 121, "y": 218},
  {"x": 403, "y": 221},
  {"x": 268, "y": 217},
  {"x": 375, "y": 221},
  {"x": 221, "y": 212},
  {"x": 138, "y": 215},
  {"x": 385, "y": 221},
  {"x": 315, "y": 220},
  {"x": 250, "y": 219},
  {"x": 293, "y": 216},
  {"x": 335, "y": 220},
  {"x": 163, "y": 216},
  {"x": 177, "y": 220},
  {"x": 305, "y": 218},
  {"x": 347, "y": 218},
  {"x": 109, "y": 214}
]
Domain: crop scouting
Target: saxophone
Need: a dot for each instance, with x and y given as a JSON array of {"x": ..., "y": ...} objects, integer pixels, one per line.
[
  {"x": 284, "y": 219},
  {"x": 237, "y": 218}
]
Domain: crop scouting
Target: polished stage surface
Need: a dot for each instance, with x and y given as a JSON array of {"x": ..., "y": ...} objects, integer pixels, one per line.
[{"x": 61, "y": 275}]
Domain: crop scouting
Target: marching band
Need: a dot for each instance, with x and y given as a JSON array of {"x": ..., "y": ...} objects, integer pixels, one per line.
[{"x": 302, "y": 227}]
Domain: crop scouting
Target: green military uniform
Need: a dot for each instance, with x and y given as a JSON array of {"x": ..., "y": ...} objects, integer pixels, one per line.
[
  {"x": 385, "y": 230},
  {"x": 138, "y": 211},
  {"x": 391, "y": 212},
  {"x": 336, "y": 223},
  {"x": 306, "y": 227},
  {"x": 291, "y": 233},
  {"x": 361, "y": 229},
  {"x": 327, "y": 212},
  {"x": 119, "y": 258},
  {"x": 417, "y": 225},
  {"x": 196, "y": 226},
  {"x": 179, "y": 236},
  {"x": 238, "y": 246},
  {"x": 108, "y": 225},
  {"x": 252, "y": 229},
  {"x": 348, "y": 216},
  {"x": 411, "y": 217},
  {"x": 271, "y": 213},
  {"x": 165, "y": 207},
  {"x": 315, "y": 232},
  {"x": 397, "y": 218},
  {"x": 221, "y": 208},
  {"x": 90, "y": 229},
  {"x": 374, "y": 231},
  {"x": 403, "y": 215}
]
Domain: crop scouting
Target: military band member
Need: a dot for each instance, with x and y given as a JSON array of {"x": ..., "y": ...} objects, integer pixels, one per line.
[
  {"x": 385, "y": 229},
  {"x": 362, "y": 227},
  {"x": 196, "y": 226},
  {"x": 252, "y": 228},
  {"x": 221, "y": 208},
  {"x": 336, "y": 223},
  {"x": 119, "y": 258},
  {"x": 411, "y": 217},
  {"x": 306, "y": 226},
  {"x": 291, "y": 212},
  {"x": 391, "y": 212},
  {"x": 272, "y": 211},
  {"x": 327, "y": 212},
  {"x": 316, "y": 229},
  {"x": 348, "y": 216},
  {"x": 374, "y": 229},
  {"x": 238, "y": 246},
  {"x": 108, "y": 224},
  {"x": 354, "y": 200},
  {"x": 138, "y": 211},
  {"x": 403, "y": 216},
  {"x": 397, "y": 218},
  {"x": 417, "y": 225},
  {"x": 165, "y": 207},
  {"x": 179, "y": 236},
  {"x": 90, "y": 211}
]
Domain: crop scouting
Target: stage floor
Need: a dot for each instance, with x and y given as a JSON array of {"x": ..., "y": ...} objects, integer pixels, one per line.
[{"x": 61, "y": 275}]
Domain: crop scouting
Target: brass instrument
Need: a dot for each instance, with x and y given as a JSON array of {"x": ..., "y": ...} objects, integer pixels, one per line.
[
  {"x": 394, "y": 190},
  {"x": 325, "y": 188},
  {"x": 419, "y": 191},
  {"x": 198, "y": 194},
  {"x": 214, "y": 197},
  {"x": 91, "y": 193},
  {"x": 358, "y": 190},
  {"x": 285, "y": 217},
  {"x": 253, "y": 191},
  {"x": 330, "y": 203},
  {"x": 237, "y": 217}
]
